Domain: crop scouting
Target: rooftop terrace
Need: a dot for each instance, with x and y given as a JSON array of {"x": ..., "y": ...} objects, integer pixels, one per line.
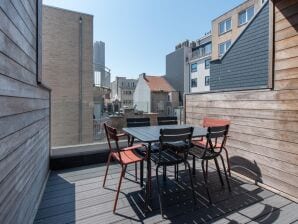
[{"x": 77, "y": 196}]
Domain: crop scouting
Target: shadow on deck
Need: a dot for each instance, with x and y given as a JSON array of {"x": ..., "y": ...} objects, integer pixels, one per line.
[{"x": 76, "y": 196}]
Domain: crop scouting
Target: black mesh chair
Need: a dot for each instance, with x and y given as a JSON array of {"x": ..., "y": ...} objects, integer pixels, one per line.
[
  {"x": 137, "y": 122},
  {"x": 211, "y": 152},
  {"x": 167, "y": 120},
  {"x": 168, "y": 156}
]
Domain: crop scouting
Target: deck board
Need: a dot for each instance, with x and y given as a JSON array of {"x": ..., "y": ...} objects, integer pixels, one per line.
[{"x": 76, "y": 196}]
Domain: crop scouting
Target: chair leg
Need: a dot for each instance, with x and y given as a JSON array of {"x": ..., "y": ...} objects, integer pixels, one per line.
[
  {"x": 191, "y": 182},
  {"x": 177, "y": 172},
  {"x": 164, "y": 173},
  {"x": 158, "y": 190},
  {"x": 119, "y": 186},
  {"x": 218, "y": 172},
  {"x": 206, "y": 171},
  {"x": 108, "y": 164},
  {"x": 136, "y": 172},
  {"x": 224, "y": 167},
  {"x": 142, "y": 173},
  {"x": 228, "y": 161},
  {"x": 193, "y": 165},
  {"x": 206, "y": 182}
]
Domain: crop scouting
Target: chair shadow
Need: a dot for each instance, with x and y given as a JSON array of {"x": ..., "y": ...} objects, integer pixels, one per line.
[{"x": 179, "y": 207}]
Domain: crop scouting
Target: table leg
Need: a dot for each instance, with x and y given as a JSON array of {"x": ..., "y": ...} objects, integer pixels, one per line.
[{"x": 148, "y": 184}]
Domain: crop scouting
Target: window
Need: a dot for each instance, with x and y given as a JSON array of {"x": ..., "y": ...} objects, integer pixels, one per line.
[
  {"x": 245, "y": 15},
  {"x": 207, "y": 64},
  {"x": 194, "y": 82},
  {"x": 194, "y": 67},
  {"x": 207, "y": 80},
  {"x": 223, "y": 47},
  {"x": 208, "y": 49},
  {"x": 225, "y": 26}
]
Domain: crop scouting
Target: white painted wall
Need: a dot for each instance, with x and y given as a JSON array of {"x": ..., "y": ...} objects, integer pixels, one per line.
[
  {"x": 200, "y": 74},
  {"x": 142, "y": 96}
]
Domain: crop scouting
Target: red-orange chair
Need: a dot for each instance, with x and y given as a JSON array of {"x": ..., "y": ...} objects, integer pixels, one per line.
[
  {"x": 124, "y": 156},
  {"x": 214, "y": 122}
]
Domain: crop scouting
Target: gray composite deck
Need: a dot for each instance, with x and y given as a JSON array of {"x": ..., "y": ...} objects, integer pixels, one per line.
[{"x": 77, "y": 196}]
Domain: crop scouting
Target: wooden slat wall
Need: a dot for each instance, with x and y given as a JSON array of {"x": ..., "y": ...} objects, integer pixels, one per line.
[
  {"x": 263, "y": 141},
  {"x": 24, "y": 114}
]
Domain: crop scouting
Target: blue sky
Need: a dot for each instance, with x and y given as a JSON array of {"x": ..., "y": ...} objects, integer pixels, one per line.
[{"x": 140, "y": 33}]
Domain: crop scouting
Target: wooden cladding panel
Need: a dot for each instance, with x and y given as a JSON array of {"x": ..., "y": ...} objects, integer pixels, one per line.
[
  {"x": 264, "y": 124},
  {"x": 24, "y": 114}
]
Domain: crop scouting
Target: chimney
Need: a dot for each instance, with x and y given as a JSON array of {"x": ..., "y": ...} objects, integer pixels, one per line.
[{"x": 143, "y": 75}]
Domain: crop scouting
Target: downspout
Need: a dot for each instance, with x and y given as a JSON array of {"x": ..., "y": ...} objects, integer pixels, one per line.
[{"x": 80, "y": 79}]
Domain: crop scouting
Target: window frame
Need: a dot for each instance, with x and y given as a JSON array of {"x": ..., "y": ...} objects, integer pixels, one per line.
[
  {"x": 225, "y": 46},
  {"x": 209, "y": 63},
  {"x": 225, "y": 26},
  {"x": 207, "y": 77},
  {"x": 192, "y": 69},
  {"x": 246, "y": 15},
  {"x": 192, "y": 81}
]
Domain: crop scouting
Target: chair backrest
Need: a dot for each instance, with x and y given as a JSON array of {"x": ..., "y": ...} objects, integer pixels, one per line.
[
  {"x": 111, "y": 134},
  {"x": 138, "y": 122},
  {"x": 213, "y": 135},
  {"x": 167, "y": 120},
  {"x": 214, "y": 122},
  {"x": 168, "y": 136}
]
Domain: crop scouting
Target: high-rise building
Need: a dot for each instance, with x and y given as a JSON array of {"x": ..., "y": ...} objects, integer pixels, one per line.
[{"x": 102, "y": 75}]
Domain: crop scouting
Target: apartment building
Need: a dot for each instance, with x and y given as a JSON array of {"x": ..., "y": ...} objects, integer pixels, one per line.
[
  {"x": 67, "y": 39},
  {"x": 199, "y": 64},
  {"x": 227, "y": 27},
  {"x": 123, "y": 90}
]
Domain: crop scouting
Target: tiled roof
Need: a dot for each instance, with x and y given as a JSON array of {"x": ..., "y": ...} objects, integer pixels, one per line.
[{"x": 158, "y": 83}]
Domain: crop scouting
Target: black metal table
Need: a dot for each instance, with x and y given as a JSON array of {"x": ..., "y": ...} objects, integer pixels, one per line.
[{"x": 149, "y": 135}]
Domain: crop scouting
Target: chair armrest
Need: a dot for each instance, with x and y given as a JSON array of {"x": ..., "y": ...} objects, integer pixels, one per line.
[
  {"x": 122, "y": 135},
  {"x": 134, "y": 147}
]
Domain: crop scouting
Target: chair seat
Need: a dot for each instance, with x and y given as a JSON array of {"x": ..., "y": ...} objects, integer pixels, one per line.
[
  {"x": 199, "y": 153},
  {"x": 167, "y": 157},
  {"x": 127, "y": 157},
  {"x": 202, "y": 143},
  {"x": 142, "y": 151}
]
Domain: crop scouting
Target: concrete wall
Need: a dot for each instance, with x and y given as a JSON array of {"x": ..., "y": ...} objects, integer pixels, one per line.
[
  {"x": 24, "y": 113},
  {"x": 245, "y": 64},
  {"x": 61, "y": 71},
  {"x": 236, "y": 30},
  {"x": 176, "y": 68}
]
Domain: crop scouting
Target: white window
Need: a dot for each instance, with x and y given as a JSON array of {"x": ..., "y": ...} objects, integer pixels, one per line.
[
  {"x": 245, "y": 15},
  {"x": 223, "y": 47},
  {"x": 225, "y": 26}
]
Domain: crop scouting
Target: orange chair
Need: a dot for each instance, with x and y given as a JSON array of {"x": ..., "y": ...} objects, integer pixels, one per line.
[
  {"x": 214, "y": 122},
  {"x": 124, "y": 156}
]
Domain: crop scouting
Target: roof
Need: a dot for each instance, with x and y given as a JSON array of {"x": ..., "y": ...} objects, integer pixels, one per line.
[{"x": 158, "y": 83}]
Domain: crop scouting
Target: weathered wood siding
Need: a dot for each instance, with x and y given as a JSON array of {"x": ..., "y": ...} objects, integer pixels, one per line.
[
  {"x": 24, "y": 114},
  {"x": 263, "y": 141}
]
